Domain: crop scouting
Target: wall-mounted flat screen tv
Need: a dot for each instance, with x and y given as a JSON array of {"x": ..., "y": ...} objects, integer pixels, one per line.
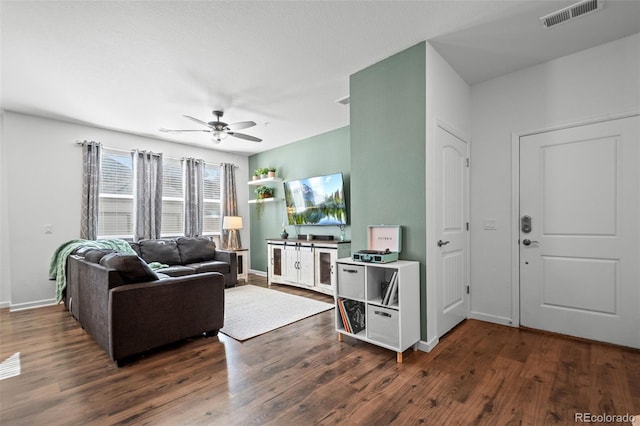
[{"x": 316, "y": 201}]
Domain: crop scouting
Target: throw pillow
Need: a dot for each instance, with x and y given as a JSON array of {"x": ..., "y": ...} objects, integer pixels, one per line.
[{"x": 131, "y": 267}]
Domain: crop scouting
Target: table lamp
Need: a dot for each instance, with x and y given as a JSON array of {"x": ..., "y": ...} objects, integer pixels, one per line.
[{"x": 232, "y": 224}]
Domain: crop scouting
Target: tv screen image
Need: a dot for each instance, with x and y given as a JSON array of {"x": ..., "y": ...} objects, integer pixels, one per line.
[{"x": 316, "y": 201}]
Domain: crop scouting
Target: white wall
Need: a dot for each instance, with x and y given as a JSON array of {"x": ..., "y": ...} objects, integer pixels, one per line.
[
  {"x": 5, "y": 288},
  {"x": 594, "y": 83},
  {"x": 448, "y": 100},
  {"x": 41, "y": 184}
]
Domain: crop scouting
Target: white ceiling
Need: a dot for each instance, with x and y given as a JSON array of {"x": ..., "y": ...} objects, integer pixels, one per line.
[{"x": 136, "y": 66}]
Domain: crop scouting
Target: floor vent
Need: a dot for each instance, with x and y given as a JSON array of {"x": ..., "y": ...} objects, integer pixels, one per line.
[{"x": 563, "y": 15}]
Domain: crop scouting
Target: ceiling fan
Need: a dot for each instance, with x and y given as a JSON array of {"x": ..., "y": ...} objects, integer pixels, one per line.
[{"x": 218, "y": 129}]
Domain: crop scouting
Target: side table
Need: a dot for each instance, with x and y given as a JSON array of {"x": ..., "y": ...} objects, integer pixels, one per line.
[{"x": 243, "y": 263}]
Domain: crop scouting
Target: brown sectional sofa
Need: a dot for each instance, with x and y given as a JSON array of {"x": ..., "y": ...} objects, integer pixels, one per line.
[{"x": 129, "y": 309}]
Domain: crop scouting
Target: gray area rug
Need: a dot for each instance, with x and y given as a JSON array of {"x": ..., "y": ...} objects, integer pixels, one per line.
[{"x": 251, "y": 311}]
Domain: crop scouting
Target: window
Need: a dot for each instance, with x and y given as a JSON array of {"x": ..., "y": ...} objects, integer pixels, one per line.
[
  {"x": 212, "y": 195},
  {"x": 115, "y": 208},
  {"x": 172, "y": 198}
]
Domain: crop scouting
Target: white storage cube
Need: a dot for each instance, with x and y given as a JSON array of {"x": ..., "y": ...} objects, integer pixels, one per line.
[
  {"x": 382, "y": 325},
  {"x": 351, "y": 281}
]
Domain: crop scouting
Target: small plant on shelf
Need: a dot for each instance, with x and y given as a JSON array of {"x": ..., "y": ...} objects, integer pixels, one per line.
[
  {"x": 272, "y": 172},
  {"x": 263, "y": 192}
]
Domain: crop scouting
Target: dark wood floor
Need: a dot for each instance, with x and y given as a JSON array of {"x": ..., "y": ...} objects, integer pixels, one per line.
[{"x": 480, "y": 373}]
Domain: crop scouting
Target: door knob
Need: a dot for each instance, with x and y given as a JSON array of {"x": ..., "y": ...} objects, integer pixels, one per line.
[
  {"x": 527, "y": 242},
  {"x": 443, "y": 243}
]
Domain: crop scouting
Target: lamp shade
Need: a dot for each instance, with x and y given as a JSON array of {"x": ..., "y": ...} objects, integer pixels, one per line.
[{"x": 232, "y": 222}]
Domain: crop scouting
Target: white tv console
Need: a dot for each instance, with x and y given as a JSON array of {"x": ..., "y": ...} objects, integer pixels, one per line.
[{"x": 308, "y": 264}]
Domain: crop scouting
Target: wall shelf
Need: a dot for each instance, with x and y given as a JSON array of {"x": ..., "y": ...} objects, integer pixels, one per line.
[
  {"x": 265, "y": 200},
  {"x": 265, "y": 181},
  {"x": 274, "y": 183}
]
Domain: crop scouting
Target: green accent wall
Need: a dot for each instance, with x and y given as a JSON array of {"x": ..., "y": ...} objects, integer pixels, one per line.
[
  {"x": 388, "y": 144},
  {"x": 323, "y": 154}
]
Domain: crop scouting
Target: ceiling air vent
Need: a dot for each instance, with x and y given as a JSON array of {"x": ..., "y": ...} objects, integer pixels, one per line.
[{"x": 563, "y": 15}]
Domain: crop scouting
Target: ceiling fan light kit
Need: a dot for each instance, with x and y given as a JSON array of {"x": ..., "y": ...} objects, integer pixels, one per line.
[{"x": 220, "y": 130}]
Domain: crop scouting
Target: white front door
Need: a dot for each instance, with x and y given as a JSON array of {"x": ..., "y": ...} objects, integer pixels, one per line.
[
  {"x": 451, "y": 239},
  {"x": 579, "y": 271}
]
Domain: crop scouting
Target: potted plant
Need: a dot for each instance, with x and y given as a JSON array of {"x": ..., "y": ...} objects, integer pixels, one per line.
[
  {"x": 263, "y": 192},
  {"x": 272, "y": 172}
]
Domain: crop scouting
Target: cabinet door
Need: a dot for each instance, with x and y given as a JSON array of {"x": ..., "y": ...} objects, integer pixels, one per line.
[
  {"x": 325, "y": 259},
  {"x": 277, "y": 262},
  {"x": 305, "y": 266},
  {"x": 291, "y": 264}
]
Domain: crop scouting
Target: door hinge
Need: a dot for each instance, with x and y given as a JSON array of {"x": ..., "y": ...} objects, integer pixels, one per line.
[
  {"x": 467, "y": 226},
  {"x": 468, "y": 290},
  {"x": 468, "y": 162}
]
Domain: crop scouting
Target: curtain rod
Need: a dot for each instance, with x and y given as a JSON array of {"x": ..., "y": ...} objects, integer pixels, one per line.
[{"x": 79, "y": 142}]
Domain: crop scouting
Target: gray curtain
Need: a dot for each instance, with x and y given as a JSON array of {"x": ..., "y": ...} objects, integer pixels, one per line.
[
  {"x": 229, "y": 200},
  {"x": 147, "y": 194},
  {"x": 193, "y": 198},
  {"x": 91, "y": 154}
]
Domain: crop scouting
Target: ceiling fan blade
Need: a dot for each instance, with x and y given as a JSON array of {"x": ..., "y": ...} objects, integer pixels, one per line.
[
  {"x": 241, "y": 125},
  {"x": 243, "y": 136},
  {"x": 204, "y": 123},
  {"x": 179, "y": 131}
]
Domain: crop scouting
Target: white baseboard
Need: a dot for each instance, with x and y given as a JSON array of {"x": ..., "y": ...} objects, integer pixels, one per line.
[
  {"x": 259, "y": 273},
  {"x": 6, "y": 304},
  {"x": 492, "y": 318},
  {"x": 428, "y": 346},
  {"x": 32, "y": 305}
]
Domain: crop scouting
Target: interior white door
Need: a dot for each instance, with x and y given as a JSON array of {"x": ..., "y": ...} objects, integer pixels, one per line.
[
  {"x": 451, "y": 217},
  {"x": 579, "y": 271}
]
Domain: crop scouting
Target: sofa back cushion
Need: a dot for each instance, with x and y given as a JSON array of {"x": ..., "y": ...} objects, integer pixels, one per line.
[
  {"x": 163, "y": 251},
  {"x": 94, "y": 255},
  {"x": 131, "y": 267},
  {"x": 196, "y": 249}
]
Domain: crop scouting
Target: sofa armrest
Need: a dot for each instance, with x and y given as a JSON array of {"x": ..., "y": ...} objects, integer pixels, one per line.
[
  {"x": 230, "y": 257},
  {"x": 149, "y": 315}
]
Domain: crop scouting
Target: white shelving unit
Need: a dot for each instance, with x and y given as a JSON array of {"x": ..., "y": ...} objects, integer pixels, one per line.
[
  {"x": 275, "y": 183},
  {"x": 395, "y": 326}
]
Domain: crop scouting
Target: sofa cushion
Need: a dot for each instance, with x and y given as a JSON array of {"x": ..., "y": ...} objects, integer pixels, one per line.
[
  {"x": 131, "y": 267},
  {"x": 177, "y": 271},
  {"x": 196, "y": 249},
  {"x": 95, "y": 255},
  {"x": 211, "y": 266},
  {"x": 136, "y": 248},
  {"x": 163, "y": 251},
  {"x": 81, "y": 250}
]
